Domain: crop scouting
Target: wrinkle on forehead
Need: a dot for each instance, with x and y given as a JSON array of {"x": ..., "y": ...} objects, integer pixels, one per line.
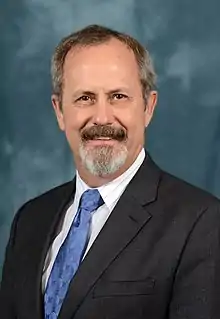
[{"x": 104, "y": 63}]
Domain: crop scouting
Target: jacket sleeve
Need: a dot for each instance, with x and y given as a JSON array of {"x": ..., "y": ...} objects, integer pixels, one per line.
[
  {"x": 196, "y": 290},
  {"x": 7, "y": 305}
]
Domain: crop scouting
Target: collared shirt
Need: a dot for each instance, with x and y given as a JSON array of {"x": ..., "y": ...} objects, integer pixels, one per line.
[{"x": 110, "y": 192}]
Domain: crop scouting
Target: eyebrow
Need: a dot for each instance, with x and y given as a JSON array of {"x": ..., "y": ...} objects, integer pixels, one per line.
[{"x": 120, "y": 89}]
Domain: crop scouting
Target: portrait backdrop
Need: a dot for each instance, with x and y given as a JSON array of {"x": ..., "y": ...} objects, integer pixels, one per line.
[{"x": 184, "y": 39}]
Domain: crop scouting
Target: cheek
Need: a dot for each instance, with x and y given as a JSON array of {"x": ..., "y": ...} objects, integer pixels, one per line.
[
  {"x": 72, "y": 127},
  {"x": 136, "y": 124},
  {"x": 73, "y": 119},
  {"x": 73, "y": 138}
]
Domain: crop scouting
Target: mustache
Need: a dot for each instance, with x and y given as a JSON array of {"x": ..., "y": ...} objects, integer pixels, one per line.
[{"x": 99, "y": 131}]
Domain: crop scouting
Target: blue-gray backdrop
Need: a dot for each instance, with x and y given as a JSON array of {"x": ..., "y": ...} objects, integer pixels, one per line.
[{"x": 184, "y": 39}]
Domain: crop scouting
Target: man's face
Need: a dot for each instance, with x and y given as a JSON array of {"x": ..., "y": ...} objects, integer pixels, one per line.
[{"x": 103, "y": 112}]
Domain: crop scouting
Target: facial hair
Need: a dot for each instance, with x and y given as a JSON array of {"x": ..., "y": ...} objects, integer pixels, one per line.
[{"x": 103, "y": 160}]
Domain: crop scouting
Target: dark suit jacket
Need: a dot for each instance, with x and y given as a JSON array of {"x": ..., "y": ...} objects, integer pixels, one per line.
[{"x": 157, "y": 257}]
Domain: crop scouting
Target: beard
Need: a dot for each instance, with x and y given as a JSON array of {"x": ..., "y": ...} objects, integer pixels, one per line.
[{"x": 103, "y": 160}]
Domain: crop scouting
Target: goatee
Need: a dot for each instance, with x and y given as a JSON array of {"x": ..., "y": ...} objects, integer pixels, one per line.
[{"x": 102, "y": 160}]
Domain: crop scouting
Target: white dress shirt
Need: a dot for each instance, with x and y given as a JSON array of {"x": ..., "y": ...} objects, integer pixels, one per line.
[{"x": 110, "y": 192}]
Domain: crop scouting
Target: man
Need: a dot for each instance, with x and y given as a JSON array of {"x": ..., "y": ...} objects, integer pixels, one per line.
[{"x": 124, "y": 239}]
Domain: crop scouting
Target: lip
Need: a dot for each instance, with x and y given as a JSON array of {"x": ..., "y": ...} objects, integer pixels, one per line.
[{"x": 102, "y": 142}]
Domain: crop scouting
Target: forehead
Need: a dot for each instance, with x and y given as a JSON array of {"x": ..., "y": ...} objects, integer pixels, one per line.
[{"x": 107, "y": 62}]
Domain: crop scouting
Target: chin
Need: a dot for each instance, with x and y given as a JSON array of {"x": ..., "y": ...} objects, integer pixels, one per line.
[{"x": 103, "y": 160}]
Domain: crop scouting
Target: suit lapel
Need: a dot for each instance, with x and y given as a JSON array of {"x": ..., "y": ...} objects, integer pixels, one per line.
[
  {"x": 125, "y": 221},
  {"x": 52, "y": 216}
]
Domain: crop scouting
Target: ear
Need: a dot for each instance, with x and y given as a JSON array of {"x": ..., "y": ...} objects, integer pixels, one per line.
[
  {"x": 58, "y": 111},
  {"x": 150, "y": 106}
]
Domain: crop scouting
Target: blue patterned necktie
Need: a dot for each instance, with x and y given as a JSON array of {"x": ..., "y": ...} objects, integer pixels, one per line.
[{"x": 70, "y": 254}]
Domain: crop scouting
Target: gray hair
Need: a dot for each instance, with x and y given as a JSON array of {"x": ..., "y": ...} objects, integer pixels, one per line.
[{"x": 95, "y": 35}]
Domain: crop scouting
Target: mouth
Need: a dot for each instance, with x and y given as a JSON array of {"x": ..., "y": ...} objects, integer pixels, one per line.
[
  {"x": 102, "y": 141},
  {"x": 103, "y": 133}
]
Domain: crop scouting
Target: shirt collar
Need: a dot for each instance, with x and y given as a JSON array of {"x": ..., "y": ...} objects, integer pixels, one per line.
[{"x": 111, "y": 191}]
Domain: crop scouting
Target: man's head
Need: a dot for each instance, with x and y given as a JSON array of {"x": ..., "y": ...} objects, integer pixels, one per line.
[{"x": 103, "y": 96}]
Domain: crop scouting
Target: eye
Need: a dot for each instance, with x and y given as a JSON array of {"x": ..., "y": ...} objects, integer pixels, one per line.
[
  {"x": 119, "y": 96},
  {"x": 84, "y": 98}
]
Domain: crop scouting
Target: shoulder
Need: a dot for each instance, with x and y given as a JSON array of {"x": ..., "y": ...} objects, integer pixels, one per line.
[
  {"x": 179, "y": 189},
  {"x": 54, "y": 194},
  {"x": 50, "y": 199},
  {"x": 175, "y": 197},
  {"x": 184, "y": 199},
  {"x": 170, "y": 190},
  {"x": 32, "y": 215},
  {"x": 183, "y": 208}
]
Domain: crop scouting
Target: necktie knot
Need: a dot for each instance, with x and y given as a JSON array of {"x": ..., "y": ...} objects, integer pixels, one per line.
[{"x": 91, "y": 200}]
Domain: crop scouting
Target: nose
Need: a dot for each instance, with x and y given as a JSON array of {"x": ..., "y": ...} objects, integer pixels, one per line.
[{"x": 103, "y": 113}]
